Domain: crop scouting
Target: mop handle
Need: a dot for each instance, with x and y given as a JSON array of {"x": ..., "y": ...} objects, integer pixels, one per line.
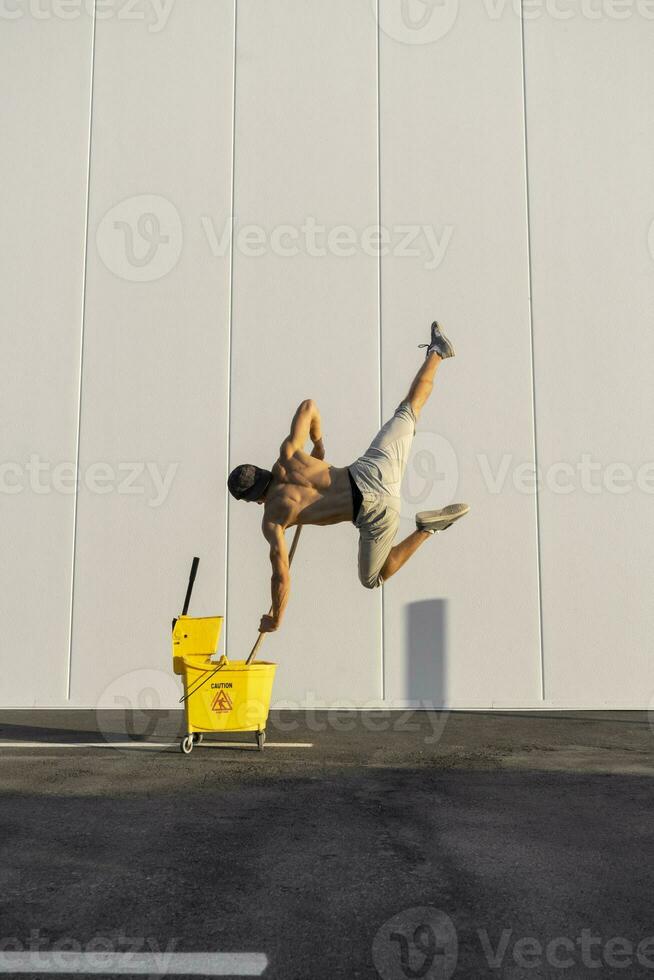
[
  {"x": 256, "y": 646},
  {"x": 191, "y": 581},
  {"x": 189, "y": 588}
]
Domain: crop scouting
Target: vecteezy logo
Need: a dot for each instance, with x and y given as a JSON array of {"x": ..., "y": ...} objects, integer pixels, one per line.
[
  {"x": 140, "y": 239},
  {"x": 417, "y": 21},
  {"x": 135, "y": 706},
  {"x": 432, "y": 475},
  {"x": 417, "y": 944}
]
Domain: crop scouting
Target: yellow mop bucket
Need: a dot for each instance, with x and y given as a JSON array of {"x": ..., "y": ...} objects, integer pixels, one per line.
[{"x": 219, "y": 696}]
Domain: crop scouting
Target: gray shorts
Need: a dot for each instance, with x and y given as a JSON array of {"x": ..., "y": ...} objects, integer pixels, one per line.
[{"x": 378, "y": 475}]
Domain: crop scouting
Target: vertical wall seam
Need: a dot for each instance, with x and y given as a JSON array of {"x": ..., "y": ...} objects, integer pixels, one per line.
[
  {"x": 230, "y": 317},
  {"x": 531, "y": 351},
  {"x": 81, "y": 361},
  {"x": 379, "y": 305}
]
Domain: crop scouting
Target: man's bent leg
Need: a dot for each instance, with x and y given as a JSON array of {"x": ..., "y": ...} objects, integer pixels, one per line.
[
  {"x": 428, "y": 522},
  {"x": 375, "y": 544},
  {"x": 401, "y": 553}
]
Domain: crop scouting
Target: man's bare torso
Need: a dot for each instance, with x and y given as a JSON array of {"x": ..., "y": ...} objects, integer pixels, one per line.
[{"x": 306, "y": 490}]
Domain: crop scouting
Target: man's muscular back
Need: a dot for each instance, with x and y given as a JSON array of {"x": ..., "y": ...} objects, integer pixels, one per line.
[{"x": 305, "y": 489}]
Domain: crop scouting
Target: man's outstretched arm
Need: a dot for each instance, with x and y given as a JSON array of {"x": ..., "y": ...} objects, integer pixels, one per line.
[
  {"x": 280, "y": 583},
  {"x": 306, "y": 424}
]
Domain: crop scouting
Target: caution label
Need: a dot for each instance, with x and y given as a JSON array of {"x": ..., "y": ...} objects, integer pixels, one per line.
[{"x": 221, "y": 702}]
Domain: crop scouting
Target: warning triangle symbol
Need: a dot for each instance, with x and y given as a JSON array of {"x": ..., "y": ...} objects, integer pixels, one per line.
[{"x": 221, "y": 702}]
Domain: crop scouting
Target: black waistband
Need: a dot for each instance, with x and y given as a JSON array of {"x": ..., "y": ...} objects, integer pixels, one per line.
[{"x": 357, "y": 498}]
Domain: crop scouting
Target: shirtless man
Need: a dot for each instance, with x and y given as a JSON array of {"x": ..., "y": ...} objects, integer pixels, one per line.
[{"x": 304, "y": 489}]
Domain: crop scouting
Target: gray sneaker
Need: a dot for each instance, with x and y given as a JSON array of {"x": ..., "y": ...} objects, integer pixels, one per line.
[
  {"x": 439, "y": 343},
  {"x": 437, "y": 520}
]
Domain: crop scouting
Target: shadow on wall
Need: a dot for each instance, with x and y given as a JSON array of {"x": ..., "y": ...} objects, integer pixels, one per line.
[{"x": 426, "y": 631}]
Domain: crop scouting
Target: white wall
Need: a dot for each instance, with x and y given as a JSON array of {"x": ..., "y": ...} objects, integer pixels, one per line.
[
  {"x": 524, "y": 150},
  {"x": 306, "y": 325},
  {"x": 590, "y": 88},
  {"x": 45, "y": 73},
  {"x": 452, "y": 157},
  {"x": 155, "y": 352}
]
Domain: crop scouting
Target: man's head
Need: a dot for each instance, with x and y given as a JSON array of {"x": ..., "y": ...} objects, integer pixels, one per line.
[{"x": 249, "y": 482}]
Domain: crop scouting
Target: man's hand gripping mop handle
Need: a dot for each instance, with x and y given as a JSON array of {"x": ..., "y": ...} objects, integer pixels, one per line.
[{"x": 256, "y": 646}]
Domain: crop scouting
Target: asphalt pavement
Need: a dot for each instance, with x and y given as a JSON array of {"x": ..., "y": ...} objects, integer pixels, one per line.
[{"x": 394, "y": 845}]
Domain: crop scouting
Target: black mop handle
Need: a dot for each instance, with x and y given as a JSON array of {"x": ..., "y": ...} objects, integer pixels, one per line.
[{"x": 191, "y": 580}]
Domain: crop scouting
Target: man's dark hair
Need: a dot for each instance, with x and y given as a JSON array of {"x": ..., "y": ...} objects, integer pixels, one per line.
[{"x": 248, "y": 482}]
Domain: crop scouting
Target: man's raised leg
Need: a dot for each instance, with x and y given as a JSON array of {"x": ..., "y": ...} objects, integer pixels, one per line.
[
  {"x": 423, "y": 384},
  {"x": 420, "y": 390}
]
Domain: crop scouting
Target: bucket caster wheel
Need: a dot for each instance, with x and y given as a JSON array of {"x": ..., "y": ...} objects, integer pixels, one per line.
[
  {"x": 186, "y": 745},
  {"x": 197, "y": 737},
  {"x": 261, "y": 740}
]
